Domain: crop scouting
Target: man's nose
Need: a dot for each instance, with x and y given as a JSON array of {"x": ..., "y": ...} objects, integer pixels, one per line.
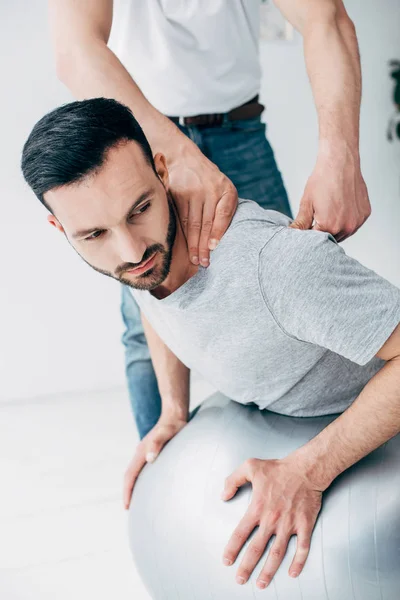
[{"x": 130, "y": 249}]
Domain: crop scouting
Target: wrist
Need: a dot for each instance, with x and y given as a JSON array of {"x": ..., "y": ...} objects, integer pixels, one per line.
[
  {"x": 173, "y": 410},
  {"x": 315, "y": 467},
  {"x": 170, "y": 140},
  {"x": 181, "y": 150},
  {"x": 339, "y": 151}
]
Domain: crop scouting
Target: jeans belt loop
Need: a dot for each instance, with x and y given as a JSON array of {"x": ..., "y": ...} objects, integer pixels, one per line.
[{"x": 225, "y": 119}]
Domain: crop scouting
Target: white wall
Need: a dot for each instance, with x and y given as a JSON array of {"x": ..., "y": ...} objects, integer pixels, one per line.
[{"x": 59, "y": 320}]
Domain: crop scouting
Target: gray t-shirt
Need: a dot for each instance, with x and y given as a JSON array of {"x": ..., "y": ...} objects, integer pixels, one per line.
[{"x": 282, "y": 317}]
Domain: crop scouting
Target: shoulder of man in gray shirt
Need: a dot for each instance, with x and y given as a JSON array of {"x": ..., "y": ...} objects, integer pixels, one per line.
[
  {"x": 282, "y": 317},
  {"x": 314, "y": 290}
]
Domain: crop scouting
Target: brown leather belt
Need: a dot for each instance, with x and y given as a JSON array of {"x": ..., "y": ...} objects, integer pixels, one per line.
[{"x": 248, "y": 110}]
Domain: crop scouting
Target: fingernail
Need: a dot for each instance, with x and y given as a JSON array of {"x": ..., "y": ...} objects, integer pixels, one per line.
[
  {"x": 262, "y": 584},
  {"x": 223, "y": 495},
  {"x": 195, "y": 260},
  {"x": 205, "y": 262},
  {"x": 227, "y": 562},
  {"x": 212, "y": 244},
  {"x": 240, "y": 580},
  {"x": 293, "y": 574},
  {"x": 151, "y": 456}
]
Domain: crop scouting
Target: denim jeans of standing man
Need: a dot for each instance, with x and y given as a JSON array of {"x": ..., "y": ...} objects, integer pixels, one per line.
[{"x": 241, "y": 151}]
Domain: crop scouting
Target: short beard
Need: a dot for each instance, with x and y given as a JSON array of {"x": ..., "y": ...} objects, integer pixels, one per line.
[{"x": 149, "y": 280}]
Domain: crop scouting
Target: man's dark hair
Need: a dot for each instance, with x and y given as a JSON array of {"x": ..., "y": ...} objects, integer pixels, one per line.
[{"x": 72, "y": 141}]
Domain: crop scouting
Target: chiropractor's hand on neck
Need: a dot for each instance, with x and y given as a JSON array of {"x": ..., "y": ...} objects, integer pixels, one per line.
[{"x": 205, "y": 198}]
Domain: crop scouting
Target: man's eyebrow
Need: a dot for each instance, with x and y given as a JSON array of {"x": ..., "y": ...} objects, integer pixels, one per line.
[{"x": 84, "y": 232}]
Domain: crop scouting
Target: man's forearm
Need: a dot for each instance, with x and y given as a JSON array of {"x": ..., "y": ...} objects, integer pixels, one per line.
[
  {"x": 173, "y": 376},
  {"x": 333, "y": 66},
  {"x": 93, "y": 70},
  {"x": 372, "y": 419}
]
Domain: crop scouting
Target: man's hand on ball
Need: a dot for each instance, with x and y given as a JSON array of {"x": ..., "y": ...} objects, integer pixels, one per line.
[
  {"x": 148, "y": 450},
  {"x": 284, "y": 503}
]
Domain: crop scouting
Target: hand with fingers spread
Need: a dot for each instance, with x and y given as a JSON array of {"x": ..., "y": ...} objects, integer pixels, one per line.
[
  {"x": 284, "y": 503},
  {"x": 148, "y": 450},
  {"x": 205, "y": 198},
  {"x": 335, "y": 199}
]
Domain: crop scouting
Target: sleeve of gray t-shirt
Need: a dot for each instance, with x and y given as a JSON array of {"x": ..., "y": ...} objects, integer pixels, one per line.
[{"x": 318, "y": 294}]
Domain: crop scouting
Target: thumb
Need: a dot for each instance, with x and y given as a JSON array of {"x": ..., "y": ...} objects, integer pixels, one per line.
[
  {"x": 317, "y": 227},
  {"x": 151, "y": 456},
  {"x": 153, "y": 450},
  {"x": 234, "y": 482},
  {"x": 154, "y": 447},
  {"x": 304, "y": 217}
]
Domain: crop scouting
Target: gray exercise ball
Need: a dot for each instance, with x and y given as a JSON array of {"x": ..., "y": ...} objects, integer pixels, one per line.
[{"x": 179, "y": 526}]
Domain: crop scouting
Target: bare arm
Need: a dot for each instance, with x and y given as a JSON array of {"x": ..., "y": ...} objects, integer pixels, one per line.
[
  {"x": 333, "y": 65},
  {"x": 80, "y": 31},
  {"x": 173, "y": 383},
  {"x": 369, "y": 422},
  {"x": 89, "y": 68},
  {"x": 287, "y": 493},
  {"x": 172, "y": 376},
  {"x": 340, "y": 205}
]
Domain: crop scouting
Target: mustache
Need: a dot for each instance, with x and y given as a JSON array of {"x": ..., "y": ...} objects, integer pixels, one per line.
[{"x": 148, "y": 252}]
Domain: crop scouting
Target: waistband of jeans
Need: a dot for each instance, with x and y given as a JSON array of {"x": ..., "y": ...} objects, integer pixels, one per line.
[{"x": 250, "y": 109}]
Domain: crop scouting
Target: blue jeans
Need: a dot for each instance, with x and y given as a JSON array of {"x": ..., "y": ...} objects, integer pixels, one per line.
[{"x": 241, "y": 151}]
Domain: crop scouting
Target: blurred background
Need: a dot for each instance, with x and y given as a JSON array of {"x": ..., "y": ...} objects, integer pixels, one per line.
[{"x": 66, "y": 431}]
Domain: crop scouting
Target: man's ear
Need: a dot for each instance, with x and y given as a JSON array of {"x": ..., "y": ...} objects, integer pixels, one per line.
[
  {"x": 160, "y": 163},
  {"x": 55, "y": 222}
]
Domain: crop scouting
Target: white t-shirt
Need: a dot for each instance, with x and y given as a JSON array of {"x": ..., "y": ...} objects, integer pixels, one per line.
[{"x": 191, "y": 56}]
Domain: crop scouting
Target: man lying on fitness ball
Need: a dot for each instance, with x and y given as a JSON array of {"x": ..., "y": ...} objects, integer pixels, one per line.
[{"x": 282, "y": 317}]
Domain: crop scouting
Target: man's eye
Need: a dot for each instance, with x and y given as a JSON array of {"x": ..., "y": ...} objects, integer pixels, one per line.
[
  {"x": 94, "y": 235},
  {"x": 142, "y": 209}
]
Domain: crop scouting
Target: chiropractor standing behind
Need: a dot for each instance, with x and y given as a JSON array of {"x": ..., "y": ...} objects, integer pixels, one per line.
[{"x": 189, "y": 71}]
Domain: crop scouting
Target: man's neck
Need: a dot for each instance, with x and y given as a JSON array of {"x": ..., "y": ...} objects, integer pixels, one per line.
[{"x": 181, "y": 269}]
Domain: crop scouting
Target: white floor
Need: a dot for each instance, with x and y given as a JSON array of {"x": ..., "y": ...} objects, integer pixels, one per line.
[{"x": 62, "y": 524}]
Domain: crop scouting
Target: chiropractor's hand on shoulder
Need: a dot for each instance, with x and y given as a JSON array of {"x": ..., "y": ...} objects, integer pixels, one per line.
[
  {"x": 335, "y": 197},
  {"x": 205, "y": 198},
  {"x": 284, "y": 503},
  {"x": 148, "y": 450}
]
